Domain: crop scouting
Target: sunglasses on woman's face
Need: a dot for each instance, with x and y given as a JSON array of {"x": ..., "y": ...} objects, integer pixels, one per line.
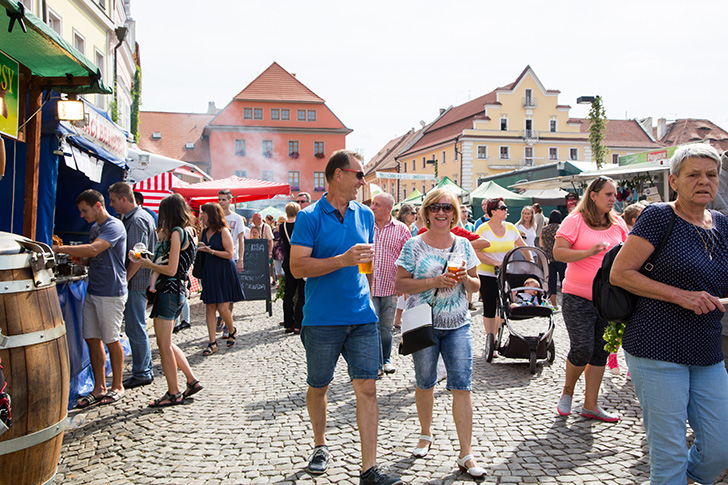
[
  {"x": 359, "y": 174},
  {"x": 502, "y": 208},
  {"x": 435, "y": 208}
]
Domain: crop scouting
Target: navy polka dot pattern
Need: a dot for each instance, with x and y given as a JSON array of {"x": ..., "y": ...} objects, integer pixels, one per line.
[{"x": 665, "y": 331}]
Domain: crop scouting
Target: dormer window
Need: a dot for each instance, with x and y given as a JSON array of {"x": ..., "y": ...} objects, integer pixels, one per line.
[
  {"x": 189, "y": 146},
  {"x": 156, "y": 135}
]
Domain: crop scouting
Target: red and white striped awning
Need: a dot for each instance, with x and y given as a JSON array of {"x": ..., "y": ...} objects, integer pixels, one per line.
[{"x": 156, "y": 188}]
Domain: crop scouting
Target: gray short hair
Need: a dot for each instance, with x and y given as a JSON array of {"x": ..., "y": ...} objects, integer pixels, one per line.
[
  {"x": 695, "y": 150},
  {"x": 387, "y": 198}
]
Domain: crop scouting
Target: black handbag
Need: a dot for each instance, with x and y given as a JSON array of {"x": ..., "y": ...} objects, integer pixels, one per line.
[
  {"x": 613, "y": 303},
  {"x": 417, "y": 330},
  {"x": 198, "y": 264}
]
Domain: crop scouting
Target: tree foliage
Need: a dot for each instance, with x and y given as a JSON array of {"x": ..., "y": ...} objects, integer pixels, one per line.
[
  {"x": 598, "y": 131},
  {"x": 136, "y": 101}
]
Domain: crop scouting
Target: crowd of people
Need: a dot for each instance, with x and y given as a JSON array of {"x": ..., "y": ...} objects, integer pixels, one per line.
[{"x": 379, "y": 263}]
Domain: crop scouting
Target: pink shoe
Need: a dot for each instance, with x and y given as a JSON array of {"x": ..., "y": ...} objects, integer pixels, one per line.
[{"x": 613, "y": 364}]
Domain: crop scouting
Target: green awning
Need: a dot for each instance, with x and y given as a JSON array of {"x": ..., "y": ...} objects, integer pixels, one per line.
[{"x": 47, "y": 54}]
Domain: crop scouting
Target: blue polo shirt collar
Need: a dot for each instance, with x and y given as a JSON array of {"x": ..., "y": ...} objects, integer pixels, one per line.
[{"x": 328, "y": 208}]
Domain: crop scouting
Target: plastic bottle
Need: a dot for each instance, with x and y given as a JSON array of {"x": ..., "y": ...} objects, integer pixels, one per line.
[{"x": 76, "y": 421}]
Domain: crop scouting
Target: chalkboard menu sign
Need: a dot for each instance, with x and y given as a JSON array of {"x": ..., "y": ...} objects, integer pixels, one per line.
[{"x": 256, "y": 272}]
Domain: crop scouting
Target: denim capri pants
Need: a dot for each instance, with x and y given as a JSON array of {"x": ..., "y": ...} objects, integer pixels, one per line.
[{"x": 456, "y": 347}]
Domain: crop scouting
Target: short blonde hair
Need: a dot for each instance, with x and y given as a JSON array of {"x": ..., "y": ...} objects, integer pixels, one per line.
[
  {"x": 292, "y": 209},
  {"x": 432, "y": 197}
]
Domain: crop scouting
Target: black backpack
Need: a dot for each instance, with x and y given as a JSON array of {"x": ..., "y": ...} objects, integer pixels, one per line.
[{"x": 615, "y": 304}]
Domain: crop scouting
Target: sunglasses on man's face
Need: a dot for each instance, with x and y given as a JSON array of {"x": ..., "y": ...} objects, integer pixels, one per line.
[
  {"x": 302, "y": 201},
  {"x": 435, "y": 208},
  {"x": 359, "y": 174}
]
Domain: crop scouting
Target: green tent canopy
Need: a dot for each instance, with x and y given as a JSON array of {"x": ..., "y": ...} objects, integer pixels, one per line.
[
  {"x": 47, "y": 54},
  {"x": 416, "y": 194},
  {"x": 491, "y": 190}
]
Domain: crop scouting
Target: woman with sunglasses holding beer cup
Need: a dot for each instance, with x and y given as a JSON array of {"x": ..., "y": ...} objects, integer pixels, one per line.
[{"x": 422, "y": 273}]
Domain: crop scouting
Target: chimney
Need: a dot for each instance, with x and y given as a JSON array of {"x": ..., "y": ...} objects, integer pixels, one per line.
[
  {"x": 661, "y": 128},
  {"x": 293, "y": 74},
  {"x": 211, "y": 108},
  {"x": 442, "y": 110}
]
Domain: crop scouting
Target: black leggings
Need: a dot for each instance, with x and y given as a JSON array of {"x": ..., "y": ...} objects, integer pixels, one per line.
[
  {"x": 489, "y": 294},
  {"x": 293, "y": 313}
]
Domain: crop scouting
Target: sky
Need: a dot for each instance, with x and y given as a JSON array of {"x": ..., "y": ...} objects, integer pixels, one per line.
[{"x": 383, "y": 66}]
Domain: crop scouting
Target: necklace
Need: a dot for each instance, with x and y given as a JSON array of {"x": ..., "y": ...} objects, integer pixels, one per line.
[{"x": 705, "y": 244}]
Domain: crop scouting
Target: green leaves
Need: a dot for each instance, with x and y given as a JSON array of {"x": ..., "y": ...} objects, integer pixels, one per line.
[{"x": 613, "y": 336}]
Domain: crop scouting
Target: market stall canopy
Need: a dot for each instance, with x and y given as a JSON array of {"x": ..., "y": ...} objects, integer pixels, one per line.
[
  {"x": 243, "y": 189},
  {"x": 617, "y": 172},
  {"x": 547, "y": 196},
  {"x": 491, "y": 190},
  {"x": 273, "y": 211},
  {"x": 25, "y": 38},
  {"x": 416, "y": 194},
  {"x": 451, "y": 186},
  {"x": 144, "y": 165}
]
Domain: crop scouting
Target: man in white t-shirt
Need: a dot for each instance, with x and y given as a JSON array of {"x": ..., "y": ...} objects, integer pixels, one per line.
[{"x": 237, "y": 227}]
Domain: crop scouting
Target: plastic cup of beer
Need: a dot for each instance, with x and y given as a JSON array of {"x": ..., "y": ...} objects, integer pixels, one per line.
[
  {"x": 366, "y": 267},
  {"x": 139, "y": 249},
  {"x": 454, "y": 264}
]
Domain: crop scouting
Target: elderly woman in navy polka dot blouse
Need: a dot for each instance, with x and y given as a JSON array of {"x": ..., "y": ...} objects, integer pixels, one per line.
[{"x": 672, "y": 341}]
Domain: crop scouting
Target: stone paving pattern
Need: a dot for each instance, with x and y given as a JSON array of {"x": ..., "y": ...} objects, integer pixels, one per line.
[{"x": 250, "y": 425}]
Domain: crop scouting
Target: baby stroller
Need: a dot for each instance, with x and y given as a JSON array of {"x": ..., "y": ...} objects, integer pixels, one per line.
[{"x": 514, "y": 271}]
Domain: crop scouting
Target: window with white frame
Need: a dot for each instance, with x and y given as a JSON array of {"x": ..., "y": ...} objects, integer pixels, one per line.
[
  {"x": 455, "y": 153},
  {"x": 505, "y": 153},
  {"x": 101, "y": 64},
  {"x": 404, "y": 192},
  {"x": 553, "y": 153},
  {"x": 528, "y": 156},
  {"x": 266, "y": 175},
  {"x": 482, "y": 152},
  {"x": 240, "y": 147},
  {"x": 275, "y": 114},
  {"x": 285, "y": 114},
  {"x": 424, "y": 162},
  {"x": 301, "y": 115},
  {"x": 54, "y": 22},
  {"x": 318, "y": 148},
  {"x": 404, "y": 165},
  {"x": 258, "y": 113},
  {"x": 319, "y": 181},
  {"x": 615, "y": 158},
  {"x": 504, "y": 124},
  {"x": 552, "y": 126},
  {"x": 79, "y": 42},
  {"x": 573, "y": 154},
  {"x": 294, "y": 179},
  {"x": 414, "y": 166},
  {"x": 293, "y": 148},
  {"x": 241, "y": 173},
  {"x": 311, "y": 115}
]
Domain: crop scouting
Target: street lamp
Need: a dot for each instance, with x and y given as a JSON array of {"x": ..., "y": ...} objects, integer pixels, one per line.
[
  {"x": 434, "y": 162},
  {"x": 585, "y": 99}
]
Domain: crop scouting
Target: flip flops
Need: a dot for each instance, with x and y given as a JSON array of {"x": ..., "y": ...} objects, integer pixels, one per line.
[
  {"x": 89, "y": 400},
  {"x": 111, "y": 397}
]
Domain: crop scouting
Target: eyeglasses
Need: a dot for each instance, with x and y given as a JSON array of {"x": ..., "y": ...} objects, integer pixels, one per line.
[
  {"x": 502, "y": 208},
  {"x": 302, "y": 201},
  {"x": 359, "y": 174},
  {"x": 447, "y": 208}
]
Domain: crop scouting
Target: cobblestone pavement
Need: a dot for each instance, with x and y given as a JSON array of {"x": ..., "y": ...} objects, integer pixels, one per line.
[{"x": 250, "y": 425}]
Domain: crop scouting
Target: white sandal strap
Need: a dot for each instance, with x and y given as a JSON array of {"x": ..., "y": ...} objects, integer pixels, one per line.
[
  {"x": 462, "y": 461},
  {"x": 426, "y": 438}
]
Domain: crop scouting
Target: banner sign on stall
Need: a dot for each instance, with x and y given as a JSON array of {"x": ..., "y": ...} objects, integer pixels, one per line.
[
  {"x": 649, "y": 156},
  {"x": 405, "y": 176},
  {"x": 9, "y": 96},
  {"x": 104, "y": 133}
]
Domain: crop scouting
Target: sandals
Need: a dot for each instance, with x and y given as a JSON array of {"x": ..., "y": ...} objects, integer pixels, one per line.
[
  {"x": 89, "y": 400},
  {"x": 111, "y": 397},
  {"x": 192, "y": 388},
  {"x": 172, "y": 400},
  {"x": 211, "y": 349},
  {"x": 231, "y": 337}
]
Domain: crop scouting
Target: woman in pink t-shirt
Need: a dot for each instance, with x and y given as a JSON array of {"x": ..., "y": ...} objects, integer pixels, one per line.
[{"x": 581, "y": 241}]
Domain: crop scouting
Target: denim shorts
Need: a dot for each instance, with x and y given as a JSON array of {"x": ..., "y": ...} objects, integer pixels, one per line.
[
  {"x": 358, "y": 344},
  {"x": 456, "y": 347},
  {"x": 167, "y": 306}
]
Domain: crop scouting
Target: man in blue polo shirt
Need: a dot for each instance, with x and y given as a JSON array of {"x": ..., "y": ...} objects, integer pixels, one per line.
[{"x": 339, "y": 317}]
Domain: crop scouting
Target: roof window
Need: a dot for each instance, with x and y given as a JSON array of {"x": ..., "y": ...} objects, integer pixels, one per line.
[
  {"x": 156, "y": 135},
  {"x": 190, "y": 146}
]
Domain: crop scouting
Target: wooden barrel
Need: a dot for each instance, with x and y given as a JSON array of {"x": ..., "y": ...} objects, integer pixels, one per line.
[{"x": 34, "y": 353}]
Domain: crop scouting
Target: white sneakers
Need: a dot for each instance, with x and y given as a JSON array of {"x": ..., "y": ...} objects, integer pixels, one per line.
[{"x": 389, "y": 368}]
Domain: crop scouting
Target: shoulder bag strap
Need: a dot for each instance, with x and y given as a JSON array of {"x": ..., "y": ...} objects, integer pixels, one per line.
[
  {"x": 443, "y": 270},
  {"x": 650, "y": 263}
]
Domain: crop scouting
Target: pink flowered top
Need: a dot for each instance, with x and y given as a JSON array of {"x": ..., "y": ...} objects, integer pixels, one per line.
[{"x": 580, "y": 274}]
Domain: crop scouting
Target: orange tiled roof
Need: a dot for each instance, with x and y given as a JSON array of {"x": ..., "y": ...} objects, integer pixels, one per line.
[
  {"x": 385, "y": 158},
  {"x": 453, "y": 121},
  {"x": 621, "y": 133},
  {"x": 691, "y": 130},
  {"x": 177, "y": 129},
  {"x": 277, "y": 84}
]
